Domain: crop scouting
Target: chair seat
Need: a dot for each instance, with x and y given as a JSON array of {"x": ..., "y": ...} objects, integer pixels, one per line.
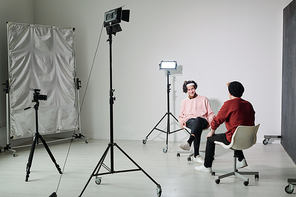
[{"x": 223, "y": 145}]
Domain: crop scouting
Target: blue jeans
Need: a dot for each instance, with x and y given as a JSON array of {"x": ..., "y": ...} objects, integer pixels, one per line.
[{"x": 197, "y": 125}]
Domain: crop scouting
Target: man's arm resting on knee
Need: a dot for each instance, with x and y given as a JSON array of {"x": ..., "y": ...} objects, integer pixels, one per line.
[{"x": 211, "y": 133}]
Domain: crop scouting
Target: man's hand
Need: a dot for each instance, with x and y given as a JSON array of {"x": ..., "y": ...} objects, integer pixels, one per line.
[
  {"x": 183, "y": 125},
  {"x": 211, "y": 133}
]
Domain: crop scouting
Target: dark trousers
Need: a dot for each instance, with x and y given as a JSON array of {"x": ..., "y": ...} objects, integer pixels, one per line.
[
  {"x": 210, "y": 149},
  {"x": 197, "y": 125}
]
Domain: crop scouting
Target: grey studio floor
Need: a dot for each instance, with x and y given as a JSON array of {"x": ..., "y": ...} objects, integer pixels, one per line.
[{"x": 175, "y": 174}]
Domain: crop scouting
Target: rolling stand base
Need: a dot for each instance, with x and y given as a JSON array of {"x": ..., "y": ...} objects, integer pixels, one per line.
[
  {"x": 8, "y": 148},
  {"x": 268, "y": 137},
  {"x": 110, "y": 170},
  {"x": 80, "y": 136},
  {"x": 290, "y": 187}
]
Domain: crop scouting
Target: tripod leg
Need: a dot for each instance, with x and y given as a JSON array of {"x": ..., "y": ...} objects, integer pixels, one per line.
[
  {"x": 174, "y": 117},
  {"x": 145, "y": 140},
  {"x": 137, "y": 165},
  {"x": 50, "y": 154},
  {"x": 29, "y": 164},
  {"x": 178, "y": 121},
  {"x": 165, "y": 150},
  {"x": 97, "y": 168}
]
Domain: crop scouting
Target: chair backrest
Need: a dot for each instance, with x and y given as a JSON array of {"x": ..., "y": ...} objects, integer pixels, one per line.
[{"x": 244, "y": 137}]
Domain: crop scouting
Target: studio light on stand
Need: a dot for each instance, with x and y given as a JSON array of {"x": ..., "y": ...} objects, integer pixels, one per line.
[
  {"x": 112, "y": 19},
  {"x": 167, "y": 66}
]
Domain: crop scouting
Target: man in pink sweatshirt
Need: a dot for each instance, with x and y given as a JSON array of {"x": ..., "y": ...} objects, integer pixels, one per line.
[{"x": 195, "y": 113}]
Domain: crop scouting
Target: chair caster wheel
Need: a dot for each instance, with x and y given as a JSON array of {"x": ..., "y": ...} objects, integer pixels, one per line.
[
  {"x": 178, "y": 154},
  {"x": 246, "y": 183},
  {"x": 217, "y": 181}
]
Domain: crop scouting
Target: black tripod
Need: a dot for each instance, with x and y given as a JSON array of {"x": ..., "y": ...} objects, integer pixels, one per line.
[
  {"x": 111, "y": 143},
  {"x": 168, "y": 113},
  {"x": 36, "y": 99}
]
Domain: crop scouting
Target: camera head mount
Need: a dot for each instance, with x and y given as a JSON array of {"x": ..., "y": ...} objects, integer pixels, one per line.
[{"x": 37, "y": 96}]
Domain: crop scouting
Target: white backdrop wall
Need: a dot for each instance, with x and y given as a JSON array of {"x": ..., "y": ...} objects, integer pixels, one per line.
[{"x": 214, "y": 42}]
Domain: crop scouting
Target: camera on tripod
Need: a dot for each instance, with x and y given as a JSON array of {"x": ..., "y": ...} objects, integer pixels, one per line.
[{"x": 37, "y": 96}]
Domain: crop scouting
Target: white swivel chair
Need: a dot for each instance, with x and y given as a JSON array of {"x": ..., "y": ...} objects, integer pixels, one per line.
[{"x": 243, "y": 138}]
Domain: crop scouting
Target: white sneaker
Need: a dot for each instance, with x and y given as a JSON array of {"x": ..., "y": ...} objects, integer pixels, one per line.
[
  {"x": 241, "y": 164},
  {"x": 202, "y": 168},
  {"x": 185, "y": 146},
  {"x": 198, "y": 159}
]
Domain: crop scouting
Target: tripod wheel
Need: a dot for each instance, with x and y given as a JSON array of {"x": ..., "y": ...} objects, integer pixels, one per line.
[
  {"x": 158, "y": 190},
  {"x": 98, "y": 180},
  {"x": 265, "y": 141},
  {"x": 165, "y": 150},
  {"x": 289, "y": 189},
  {"x": 144, "y": 141}
]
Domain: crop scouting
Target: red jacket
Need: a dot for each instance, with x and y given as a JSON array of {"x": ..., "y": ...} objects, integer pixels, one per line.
[{"x": 234, "y": 112}]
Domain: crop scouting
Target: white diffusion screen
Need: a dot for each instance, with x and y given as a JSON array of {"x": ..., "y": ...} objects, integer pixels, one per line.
[{"x": 41, "y": 57}]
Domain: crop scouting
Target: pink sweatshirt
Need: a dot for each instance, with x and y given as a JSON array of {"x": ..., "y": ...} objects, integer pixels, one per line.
[{"x": 196, "y": 107}]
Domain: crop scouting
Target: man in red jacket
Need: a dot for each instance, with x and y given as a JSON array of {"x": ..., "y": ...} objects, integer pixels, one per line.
[{"x": 234, "y": 112}]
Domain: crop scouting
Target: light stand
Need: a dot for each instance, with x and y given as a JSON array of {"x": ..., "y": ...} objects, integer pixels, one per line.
[
  {"x": 80, "y": 136},
  {"x": 112, "y": 30},
  {"x": 36, "y": 99},
  {"x": 7, "y": 147},
  {"x": 168, "y": 114}
]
